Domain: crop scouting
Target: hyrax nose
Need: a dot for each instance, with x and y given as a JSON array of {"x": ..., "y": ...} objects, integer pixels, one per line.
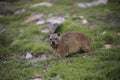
[{"x": 53, "y": 43}]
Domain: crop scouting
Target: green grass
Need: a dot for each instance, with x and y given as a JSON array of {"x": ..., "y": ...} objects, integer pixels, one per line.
[{"x": 97, "y": 65}]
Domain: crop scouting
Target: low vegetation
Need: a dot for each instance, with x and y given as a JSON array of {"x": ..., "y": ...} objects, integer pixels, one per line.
[{"x": 103, "y": 28}]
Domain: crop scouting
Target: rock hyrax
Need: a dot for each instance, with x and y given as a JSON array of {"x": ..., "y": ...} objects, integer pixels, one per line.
[{"x": 69, "y": 43}]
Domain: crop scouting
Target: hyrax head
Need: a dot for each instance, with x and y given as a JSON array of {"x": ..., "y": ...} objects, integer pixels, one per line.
[{"x": 54, "y": 39}]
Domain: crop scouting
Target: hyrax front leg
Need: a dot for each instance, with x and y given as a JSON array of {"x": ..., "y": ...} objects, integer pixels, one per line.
[
  {"x": 62, "y": 55},
  {"x": 85, "y": 49}
]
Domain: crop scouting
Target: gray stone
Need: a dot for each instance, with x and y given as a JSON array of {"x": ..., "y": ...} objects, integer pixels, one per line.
[
  {"x": 19, "y": 11},
  {"x": 28, "y": 55},
  {"x": 47, "y": 4},
  {"x": 40, "y": 22},
  {"x": 33, "y": 17},
  {"x": 54, "y": 23},
  {"x": 45, "y": 30},
  {"x": 89, "y": 4},
  {"x": 104, "y": 33}
]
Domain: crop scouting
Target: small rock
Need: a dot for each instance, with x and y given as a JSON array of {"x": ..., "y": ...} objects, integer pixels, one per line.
[
  {"x": 81, "y": 5},
  {"x": 53, "y": 27},
  {"x": 19, "y": 11},
  {"x": 54, "y": 23},
  {"x": 2, "y": 30},
  {"x": 81, "y": 17},
  {"x": 46, "y": 30},
  {"x": 28, "y": 55},
  {"x": 4, "y": 61},
  {"x": 21, "y": 31},
  {"x": 47, "y": 4},
  {"x": 34, "y": 17},
  {"x": 43, "y": 57},
  {"x": 104, "y": 33},
  {"x": 58, "y": 20},
  {"x": 1, "y": 15},
  {"x": 20, "y": 35},
  {"x": 101, "y": 1},
  {"x": 118, "y": 34},
  {"x": 107, "y": 46},
  {"x": 84, "y": 56},
  {"x": 89, "y": 4},
  {"x": 40, "y": 22},
  {"x": 36, "y": 79},
  {"x": 84, "y": 21},
  {"x": 40, "y": 58}
]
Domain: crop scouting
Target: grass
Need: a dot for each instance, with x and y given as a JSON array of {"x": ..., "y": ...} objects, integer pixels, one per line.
[{"x": 97, "y": 65}]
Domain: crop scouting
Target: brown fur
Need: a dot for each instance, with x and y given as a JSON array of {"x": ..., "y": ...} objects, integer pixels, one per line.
[{"x": 71, "y": 42}]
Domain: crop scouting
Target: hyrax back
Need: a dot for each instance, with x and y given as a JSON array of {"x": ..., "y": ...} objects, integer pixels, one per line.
[{"x": 69, "y": 43}]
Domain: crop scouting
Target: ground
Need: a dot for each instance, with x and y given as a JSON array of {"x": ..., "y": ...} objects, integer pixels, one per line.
[{"x": 103, "y": 30}]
